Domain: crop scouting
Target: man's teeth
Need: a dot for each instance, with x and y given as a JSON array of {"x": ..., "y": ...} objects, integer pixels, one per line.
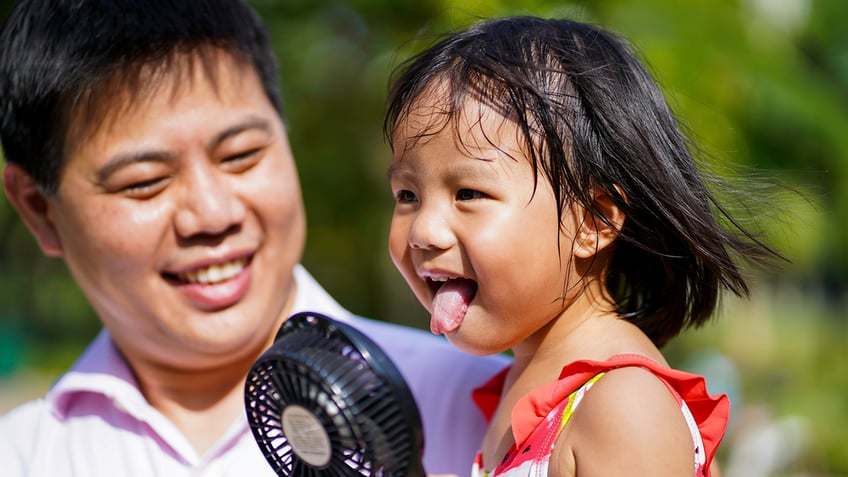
[{"x": 213, "y": 273}]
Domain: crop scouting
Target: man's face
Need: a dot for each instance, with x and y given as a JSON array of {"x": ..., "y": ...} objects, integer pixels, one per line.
[{"x": 180, "y": 216}]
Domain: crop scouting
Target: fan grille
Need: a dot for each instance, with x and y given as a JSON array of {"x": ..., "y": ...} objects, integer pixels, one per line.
[{"x": 315, "y": 366}]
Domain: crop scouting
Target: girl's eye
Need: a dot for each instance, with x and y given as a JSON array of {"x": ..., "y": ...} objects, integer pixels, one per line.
[
  {"x": 469, "y": 194},
  {"x": 404, "y": 196}
]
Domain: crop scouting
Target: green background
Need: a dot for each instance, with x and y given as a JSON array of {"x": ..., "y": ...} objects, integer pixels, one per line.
[{"x": 763, "y": 84}]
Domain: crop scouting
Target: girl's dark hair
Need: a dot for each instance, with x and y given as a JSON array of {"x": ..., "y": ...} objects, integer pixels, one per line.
[
  {"x": 594, "y": 119},
  {"x": 55, "y": 54}
]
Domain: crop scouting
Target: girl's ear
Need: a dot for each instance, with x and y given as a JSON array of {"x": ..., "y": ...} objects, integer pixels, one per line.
[
  {"x": 30, "y": 202},
  {"x": 594, "y": 233}
]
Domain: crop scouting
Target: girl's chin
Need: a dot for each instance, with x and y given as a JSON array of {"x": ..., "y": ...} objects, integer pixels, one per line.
[{"x": 476, "y": 346}]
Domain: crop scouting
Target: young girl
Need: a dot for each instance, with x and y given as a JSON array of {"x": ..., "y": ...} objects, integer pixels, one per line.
[{"x": 547, "y": 203}]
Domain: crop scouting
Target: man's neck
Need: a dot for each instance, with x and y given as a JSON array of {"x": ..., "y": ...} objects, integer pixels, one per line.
[{"x": 202, "y": 404}]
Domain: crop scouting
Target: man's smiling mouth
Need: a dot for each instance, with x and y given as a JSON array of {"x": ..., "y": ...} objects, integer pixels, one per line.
[{"x": 216, "y": 273}]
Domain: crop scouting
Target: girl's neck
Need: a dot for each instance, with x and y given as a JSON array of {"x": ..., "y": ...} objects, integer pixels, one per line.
[{"x": 585, "y": 330}]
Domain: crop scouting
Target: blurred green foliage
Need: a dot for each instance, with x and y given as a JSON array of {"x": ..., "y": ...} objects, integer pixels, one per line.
[{"x": 763, "y": 85}]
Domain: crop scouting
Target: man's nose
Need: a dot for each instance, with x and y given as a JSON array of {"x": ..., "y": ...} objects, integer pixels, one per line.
[{"x": 210, "y": 204}]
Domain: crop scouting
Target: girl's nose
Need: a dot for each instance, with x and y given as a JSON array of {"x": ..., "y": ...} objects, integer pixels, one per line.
[{"x": 430, "y": 230}]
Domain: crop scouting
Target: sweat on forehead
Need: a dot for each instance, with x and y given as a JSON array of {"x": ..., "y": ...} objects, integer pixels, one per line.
[
  {"x": 477, "y": 122},
  {"x": 98, "y": 105}
]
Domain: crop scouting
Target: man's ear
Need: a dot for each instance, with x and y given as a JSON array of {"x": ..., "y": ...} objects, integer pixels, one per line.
[
  {"x": 32, "y": 206},
  {"x": 594, "y": 233}
]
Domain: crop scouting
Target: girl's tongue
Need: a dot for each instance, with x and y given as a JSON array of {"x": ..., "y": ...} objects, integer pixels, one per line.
[{"x": 450, "y": 304}]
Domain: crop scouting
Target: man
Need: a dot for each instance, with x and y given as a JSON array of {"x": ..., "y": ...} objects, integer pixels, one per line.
[{"x": 145, "y": 147}]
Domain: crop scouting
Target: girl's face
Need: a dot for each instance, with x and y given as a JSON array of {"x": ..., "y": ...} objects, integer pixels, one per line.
[{"x": 474, "y": 235}]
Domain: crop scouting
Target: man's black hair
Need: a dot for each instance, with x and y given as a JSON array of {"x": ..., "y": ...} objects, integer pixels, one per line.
[{"x": 54, "y": 54}]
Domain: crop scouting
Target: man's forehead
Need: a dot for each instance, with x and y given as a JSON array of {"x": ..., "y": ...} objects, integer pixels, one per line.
[{"x": 138, "y": 84}]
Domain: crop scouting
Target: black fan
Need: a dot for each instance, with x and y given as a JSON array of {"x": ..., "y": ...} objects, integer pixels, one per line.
[{"x": 325, "y": 400}]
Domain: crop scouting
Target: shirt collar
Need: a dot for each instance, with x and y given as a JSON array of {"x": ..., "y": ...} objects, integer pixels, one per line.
[
  {"x": 311, "y": 296},
  {"x": 101, "y": 369}
]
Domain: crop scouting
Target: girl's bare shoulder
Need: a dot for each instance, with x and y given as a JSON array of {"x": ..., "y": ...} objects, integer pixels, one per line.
[{"x": 628, "y": 423}]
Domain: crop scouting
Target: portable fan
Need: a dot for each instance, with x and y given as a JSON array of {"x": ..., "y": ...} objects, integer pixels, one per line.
[{"x": 324, "y": 400}]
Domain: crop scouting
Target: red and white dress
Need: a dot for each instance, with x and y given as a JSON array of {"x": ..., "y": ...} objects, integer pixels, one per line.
[{"x": 539, "y": 417}]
